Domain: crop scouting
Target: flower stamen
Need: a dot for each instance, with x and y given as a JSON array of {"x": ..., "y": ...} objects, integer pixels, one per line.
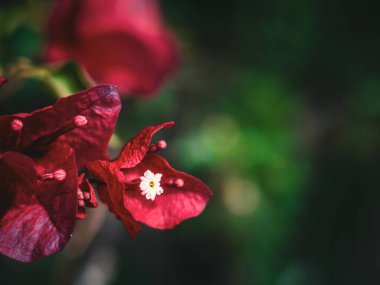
[
  {"x": 161, "y": 144},
  {"x": 14, "y": 136},
  {"x": 80, "y": 121},
  {"x": 16, "y": 125},
  {"x": 178, "y": 182},
  {"x": 58, "y": 175},
  {"x": 77, "y": 121}
]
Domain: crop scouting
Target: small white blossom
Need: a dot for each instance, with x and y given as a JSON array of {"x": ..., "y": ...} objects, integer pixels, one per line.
[{"x": 150, "y": 185}]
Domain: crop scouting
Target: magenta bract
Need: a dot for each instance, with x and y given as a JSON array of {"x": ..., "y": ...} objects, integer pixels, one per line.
[
  {"x": 38, "y": 214},
  {"x": 99, "y": 107},
  {"x": 141, "y": 186},
  {"x": 122, "y": 42},
  {"x": 40, "y": 153}
]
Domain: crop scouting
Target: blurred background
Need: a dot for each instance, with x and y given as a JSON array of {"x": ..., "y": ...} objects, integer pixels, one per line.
[{"x": 277, "y": 110}]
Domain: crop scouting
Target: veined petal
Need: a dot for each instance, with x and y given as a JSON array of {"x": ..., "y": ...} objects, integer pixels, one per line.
[
  {"x": 111, "y": 191},
  {"x": 174, "y": 205},
  {"x": 99, "y": 106},
  {"x": 136, "y": 149},
  {"x": 38, "y": 224}
]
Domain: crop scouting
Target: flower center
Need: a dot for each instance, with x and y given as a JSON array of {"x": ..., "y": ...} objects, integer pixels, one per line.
[{"x": 150, "y": 185}]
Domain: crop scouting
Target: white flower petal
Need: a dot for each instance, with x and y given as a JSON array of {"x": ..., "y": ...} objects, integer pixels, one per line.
[
  {"x": 146, "y": 183},
  {"x": 158, "y": 177},
  {"x": 143, "y": 178},
  {"x": 149, "y": 174}
]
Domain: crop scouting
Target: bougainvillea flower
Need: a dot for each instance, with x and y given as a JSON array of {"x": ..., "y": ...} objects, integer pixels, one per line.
[
  {"x": 39, "y": 155},
  {"x": 38, "y": 202},
  {"x": 141, "y": 186},
  {"x": 122, "y": 42}
]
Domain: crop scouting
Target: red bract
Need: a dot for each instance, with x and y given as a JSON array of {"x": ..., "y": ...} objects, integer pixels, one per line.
[
  {"x": 39, "y": 155},
  {"x": 123, "y": 42},
  {"x": 85, "y": 121},
  {"x": 141, "y": 186},
  {"x": 38, "y": 206}
]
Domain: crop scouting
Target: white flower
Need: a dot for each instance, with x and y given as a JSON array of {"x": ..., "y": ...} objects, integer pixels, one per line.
[{"x": 150, "y": 185}]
